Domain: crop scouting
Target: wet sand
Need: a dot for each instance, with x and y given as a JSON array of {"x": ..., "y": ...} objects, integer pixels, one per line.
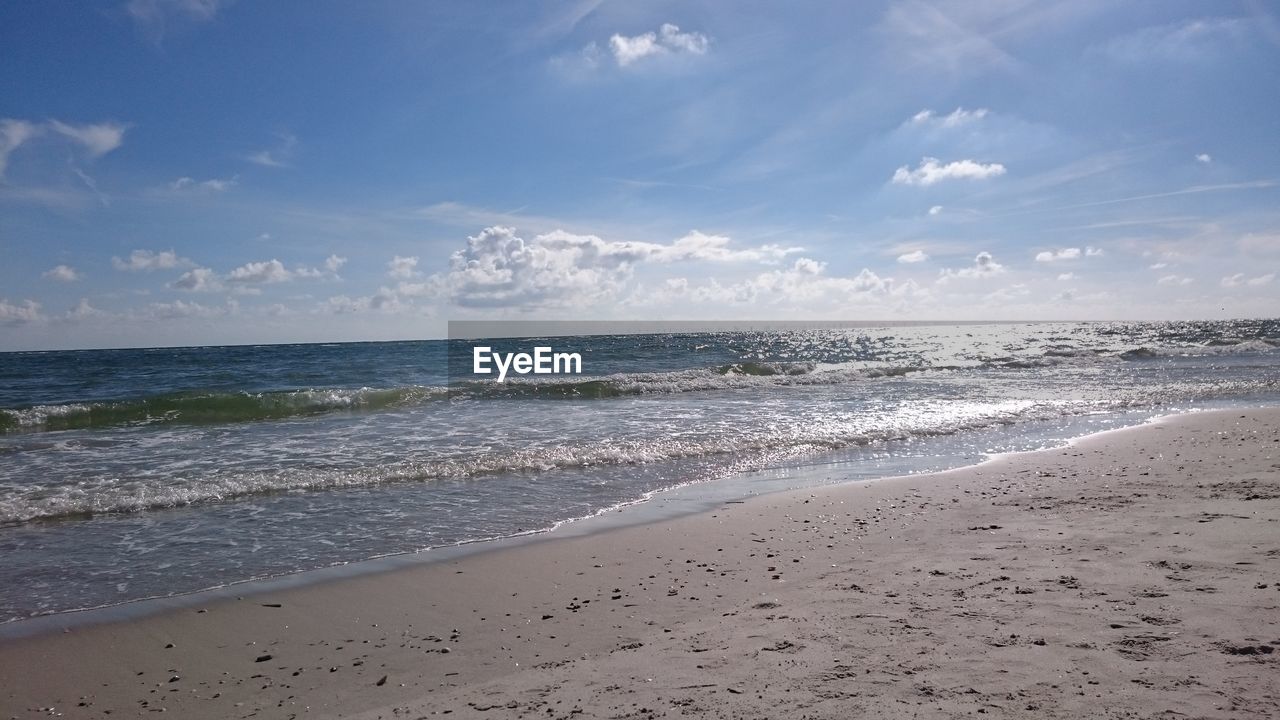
[{"x": 1134, "y": 574}]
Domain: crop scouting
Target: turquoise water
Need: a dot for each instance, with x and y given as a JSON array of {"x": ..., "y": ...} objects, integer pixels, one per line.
[{"x": 136, "y": 473}]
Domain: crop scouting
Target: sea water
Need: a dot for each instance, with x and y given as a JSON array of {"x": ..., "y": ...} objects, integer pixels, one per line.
[{"x": 128, "y": 474}]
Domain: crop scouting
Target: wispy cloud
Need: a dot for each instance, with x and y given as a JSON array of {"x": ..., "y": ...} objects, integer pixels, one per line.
[
  {"x": 914, "y": 256},
  {"x": 13, "y": 134},
  {"x": 956, "y": 118},
  {"x": 280, "y": 156},
  {"x": 1240, "y": 279},
  {"x": 157, "y": 17},
  {"x": 1186, "y": 41},
  {"x": 98, "y": 139},
  {"x": 212, "y": 185}
]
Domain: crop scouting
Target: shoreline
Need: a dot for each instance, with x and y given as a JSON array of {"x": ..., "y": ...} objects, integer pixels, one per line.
[
  {"x": 649, "y": 600},
  {"x": 692, "y": 499}
]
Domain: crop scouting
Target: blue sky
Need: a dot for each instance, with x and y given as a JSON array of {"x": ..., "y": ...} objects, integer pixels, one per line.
[{"x": 206, "y": 171}]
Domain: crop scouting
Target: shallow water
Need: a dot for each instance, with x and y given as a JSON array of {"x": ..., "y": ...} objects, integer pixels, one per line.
[{"x": 137, "y": 473}]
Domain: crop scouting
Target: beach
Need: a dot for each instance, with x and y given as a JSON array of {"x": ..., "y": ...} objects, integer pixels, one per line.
[{"x": 1133, "y": 573}]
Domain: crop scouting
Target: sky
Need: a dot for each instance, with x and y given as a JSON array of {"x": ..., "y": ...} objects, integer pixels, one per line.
[{"x": 194, "y": 172}]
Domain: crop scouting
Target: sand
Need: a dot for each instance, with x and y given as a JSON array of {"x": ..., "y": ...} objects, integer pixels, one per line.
[{"x": 1133, "y": 574}]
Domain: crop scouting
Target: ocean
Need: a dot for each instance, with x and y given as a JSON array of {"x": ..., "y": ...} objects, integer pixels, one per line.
[{"x": 131, "y": 474}]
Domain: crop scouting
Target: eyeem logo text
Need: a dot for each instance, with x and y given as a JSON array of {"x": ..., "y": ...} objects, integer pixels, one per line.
[{"x": 543, "y": 361}]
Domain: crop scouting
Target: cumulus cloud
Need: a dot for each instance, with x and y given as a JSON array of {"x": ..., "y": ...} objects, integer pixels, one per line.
[
  {"x": 914, "y": 256},
  {"x": 956, "y": 118},
  {"x": 18, "y": 314},
  {"x": 97, "y": 139},
  {"x": 1239, "y": 279},
  {"x": 334, "y": 263},
  {"x": 179, "y": 309},
  {"x": 668, "y": 40},
  {"x": 403, "y": 267},
  {"x": 1067, "y": 276},
  {"x": 498, "y": 267},
  {"x": 13, "y": 134},
  {"x": 84, "y": 310},
  {"x": 1093, "y": 252},
  {"x": 147, "y": 260},
  {"x": 62, "y": 273},
  {"x": 935, "y": 209},
  {"x": 932, "y": 170},
  {"x": 199, "y": 279},
  {"x": 1174, "y": 280},
  {"x": 984, "y": 265},
  {"x": 244, "y": 279},
  {"x": 260, "y": 273},
  {"x": 804, "y": 283},
  {"x": 1205, "y": 158},
  {"x": 1055, "y": 255}
]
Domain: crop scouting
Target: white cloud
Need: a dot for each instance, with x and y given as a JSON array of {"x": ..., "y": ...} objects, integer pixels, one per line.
[
  {"x": 156, "y": 17},
  {"x": 98, "y": 139},
  {"x": 10, "y": 314},
  {"x": 699, "y": 246},
  {"x": 198, "y": 280},
  {"x": 914, "y": 256},
  {"x": 931, "y": 170},
  {"x": 277, "y": 157},
  {"x": 14, "y": 133},
  {"x": 84, "y": 310},
  {"x": 499, "y": 268},
  {"x": 1159, "y": 266},
  {"x": 1174, "y": 280},
  {"x": 935, "y": 209},
  {"x": 62, "y": 273},
  {"x": 334, "y": 263},
  {"x": 958, "y": 117},
  {"x": 260, "y": 273},
  {"x": 403, "y": 267},
  {"x": 179, "y": 309},
  {"x": 668, "y": 40},
  {"x": 1205, "y": 158},
  {"x": 1067, "y": 276},
  {"x": 1239, "y": 279},
  {"x": 803, "y": 284},
  {"x": 1189, "y": 41},
  {"x": 148, "y": 260},
  {"x": 984, "y": 265},
  {"x": 1093, "y": 252},
  {"x": 1055, "y": 255},
  {"x": 213, "y": 185}
]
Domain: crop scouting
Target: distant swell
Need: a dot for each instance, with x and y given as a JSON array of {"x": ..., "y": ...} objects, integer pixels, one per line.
[
  {"x": 235, "y": 407},
  {"x": 726, "y": 377},
  {"x": 209, "y": 408}
]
